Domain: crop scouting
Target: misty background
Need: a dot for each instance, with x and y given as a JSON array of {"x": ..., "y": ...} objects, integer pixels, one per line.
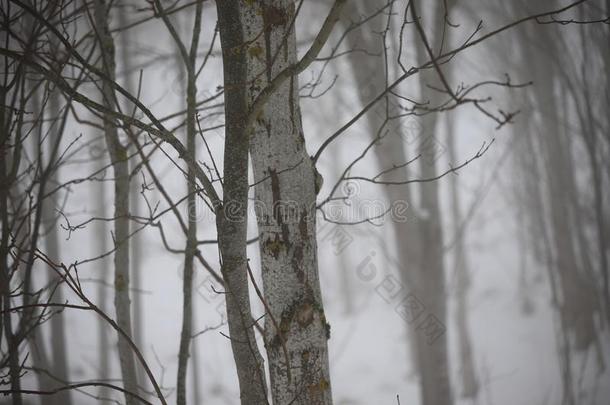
[{"x": 523, "y": 232}]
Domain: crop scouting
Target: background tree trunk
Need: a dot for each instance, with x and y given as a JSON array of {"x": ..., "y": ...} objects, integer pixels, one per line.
[
  {"x": 191, "y": 239},
  {"x": 135, "y": 241},
  {"x": 468, "y": 379},
  {"x": 120, "y": 165},
  {"x": 430, "y": 285},
  {"x": 391, "y": 148},
  {"x": 59, "y": 367},
  {"x": 101, "y": 246}
]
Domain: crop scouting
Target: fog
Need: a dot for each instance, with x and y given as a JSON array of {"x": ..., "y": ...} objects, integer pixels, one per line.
[{"x": 426, "y": 216}]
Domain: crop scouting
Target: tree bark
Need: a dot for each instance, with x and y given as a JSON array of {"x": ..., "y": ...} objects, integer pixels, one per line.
[
  {"x": 258, "y": 43},
  {"x": 296, "y": 329},
  {"x": 231, "y": 218},
  {"x": 40, "y": 359},
  {"x": 101, "y": 244},
  {"x": 6, "y": 327},
  {"x": 191, "y": 239}
]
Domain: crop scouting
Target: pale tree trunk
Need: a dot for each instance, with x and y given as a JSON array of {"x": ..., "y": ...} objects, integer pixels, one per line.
[
  {"x": 58, "y": 328},
  {"x": 525, "y": 188},
  {"x": 101, "y": 245},
  {"x": 38, "y": 350},
  {"x": 430, "y": 286},
  {"x": 430, "y": 289},
  {"x": 120, "y": 165},
  {"x": 191, "y": 239},
  {"x": 259, "y": 42},
  {"x": 468, "y": 379},
  {"x": 56, "y": 364},
  {"x": 135, "y": 242},
  {"x": 296, "y": 329}
]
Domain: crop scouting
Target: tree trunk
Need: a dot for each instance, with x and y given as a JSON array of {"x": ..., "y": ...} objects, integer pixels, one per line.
[
  {"x": 40, "y": 358},
  {"x": 191, "y": 238},
  {"x": 231, "y": 218},
  {"x": 58, "y": 328},
  {"x": 393, "y": 138},
  {"x": 135, "y": 242},
  {"x": 468, "y": 379},
  {"x": 576, "y": 298},
  {"x": 120, "y": 166},
  {"x": 6, "y": 327},
  {"x": 101, "y": 245},
  {"x": 258, "y": 42},
  {"x": 430, "y": 286}
]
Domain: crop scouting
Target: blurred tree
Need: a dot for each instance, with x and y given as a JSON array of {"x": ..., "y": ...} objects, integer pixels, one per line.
[
  {"x": 120, "y": 166},
  {"x": 263, "y": 122}
]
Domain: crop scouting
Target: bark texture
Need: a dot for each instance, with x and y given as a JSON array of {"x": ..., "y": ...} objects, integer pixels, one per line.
[
  {"x": 6, "y": 325},
  {"x": 231, "y": 217},
  {"x": 296, "y": 330},
  {"x": 286, "y": 195}
]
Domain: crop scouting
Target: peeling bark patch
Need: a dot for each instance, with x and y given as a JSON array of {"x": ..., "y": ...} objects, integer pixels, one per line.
[
  {"x": 274, "y": 17},
  {"x": 314, "y": 378},
  {"x": 255, "y": 51},
  {"x": 317, "y": 390},
  {"x": 302, "y": 310},
  {"x": 273, "y": 246},
  {"x": 120, "y": 282},
  {"x": 304, "y": 315}
]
